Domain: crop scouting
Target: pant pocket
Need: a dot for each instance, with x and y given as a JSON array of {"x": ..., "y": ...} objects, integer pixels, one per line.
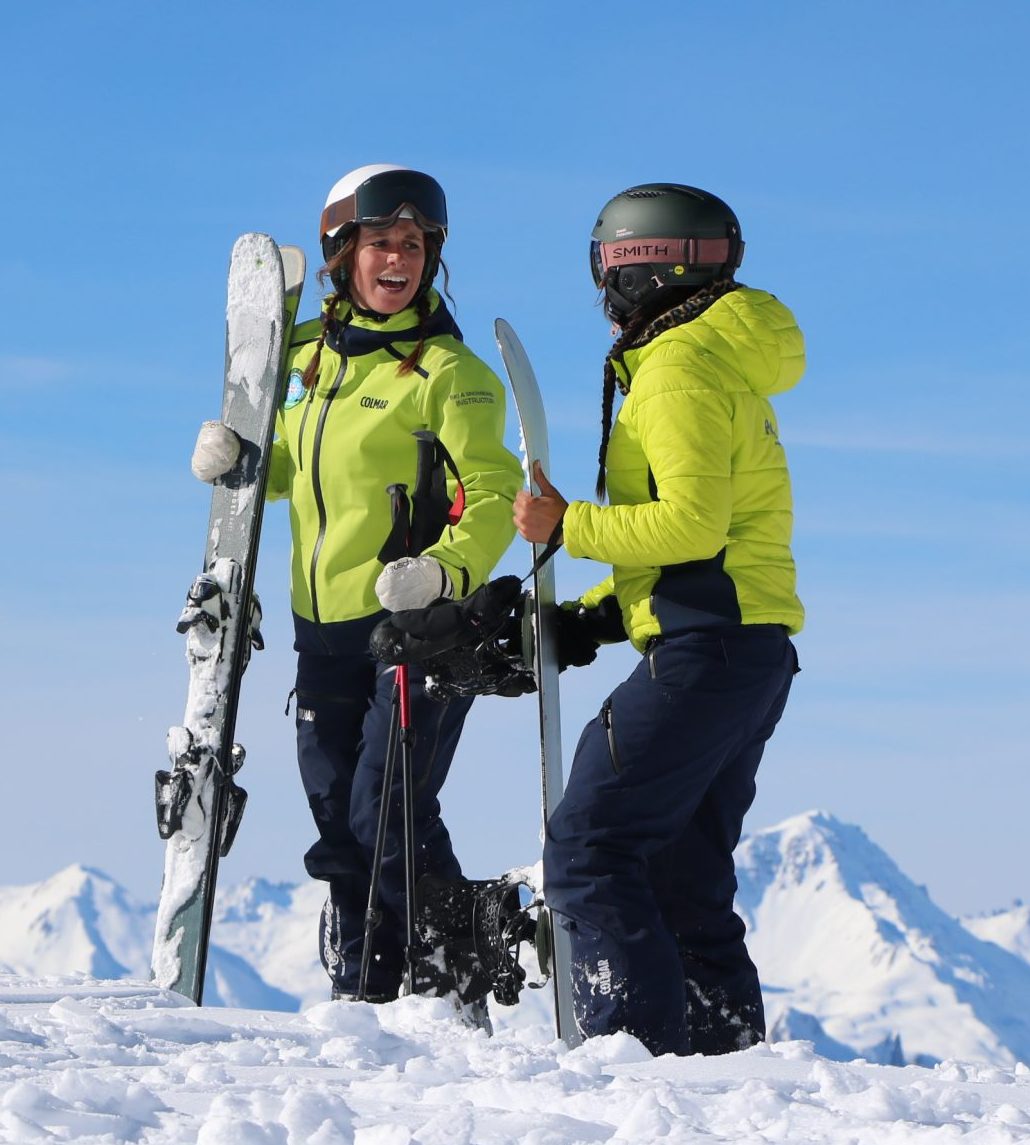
[{"x": 608, "y": 723}]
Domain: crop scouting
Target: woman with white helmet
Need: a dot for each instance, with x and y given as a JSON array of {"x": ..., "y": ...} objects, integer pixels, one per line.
[{"x": 385, "y": 361}]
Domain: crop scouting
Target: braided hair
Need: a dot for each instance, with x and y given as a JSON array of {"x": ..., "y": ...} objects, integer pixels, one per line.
[
  {"x": 330, "y": 270},
  {"x": 643, "y": 326}
]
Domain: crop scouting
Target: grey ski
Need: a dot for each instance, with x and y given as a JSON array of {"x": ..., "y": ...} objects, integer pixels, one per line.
[
  {"x": 541, "y": 650},
  {"x": 199, "y": 804}
]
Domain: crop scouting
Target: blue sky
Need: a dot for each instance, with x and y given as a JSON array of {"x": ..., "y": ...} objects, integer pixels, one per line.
[{"x": 877, "y": 156}]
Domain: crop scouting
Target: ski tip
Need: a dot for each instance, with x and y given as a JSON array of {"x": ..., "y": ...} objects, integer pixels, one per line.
[
  {"x": 293, "y": 253},
  {"x": 255, "y": 249},
  {"x": 295, "y": 265},
  {"x": 255, "y": 239}
]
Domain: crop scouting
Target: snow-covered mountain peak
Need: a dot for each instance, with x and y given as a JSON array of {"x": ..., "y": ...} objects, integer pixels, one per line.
[
  {"x": 853, "y": 955},
  {"x": 79, "y": 917},
  {"x": 838, "y": 930},
  {"x": 815, "y": 846},
  {"x": 70, "y": 882}
]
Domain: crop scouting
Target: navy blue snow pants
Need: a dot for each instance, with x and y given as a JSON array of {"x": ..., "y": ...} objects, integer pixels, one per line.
[
  {"x": 638, "y": 858},
  {"x": 344, "y": 708}
]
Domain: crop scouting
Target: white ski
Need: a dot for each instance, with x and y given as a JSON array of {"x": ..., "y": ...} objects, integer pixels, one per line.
[
  {"x": 541, "y": 651},
  {"x": 198, "y": 802}
]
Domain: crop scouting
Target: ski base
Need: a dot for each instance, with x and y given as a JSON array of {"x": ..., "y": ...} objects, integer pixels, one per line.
[{"x": 199, "y": 805}]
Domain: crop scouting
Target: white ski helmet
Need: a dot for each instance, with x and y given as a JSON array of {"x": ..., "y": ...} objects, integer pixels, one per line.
[{"x": 377, "y": 195}]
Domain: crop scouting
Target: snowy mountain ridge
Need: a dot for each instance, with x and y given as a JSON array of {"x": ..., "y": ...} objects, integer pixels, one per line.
[
  {"x": 854, "y": 957},
  {"x": 841, "y": 935}
]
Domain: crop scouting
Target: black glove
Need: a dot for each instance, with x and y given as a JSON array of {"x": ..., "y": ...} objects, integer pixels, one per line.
[
  {"x": 576, "y": 646},
  {"x": 416, "y": 635},
  {"x": 582, "y": 630},
  {"x": 462, "y": 645}
]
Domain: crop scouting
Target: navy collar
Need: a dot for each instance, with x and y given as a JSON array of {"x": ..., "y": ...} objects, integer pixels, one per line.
[{"x": 352, "y": 341}]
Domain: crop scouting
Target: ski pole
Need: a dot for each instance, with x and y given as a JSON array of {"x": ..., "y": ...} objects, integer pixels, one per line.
[
  {"x": 407, "y": 737},
  {"x": 373, "y": 915},
  {"x": 417, "y": 522}
]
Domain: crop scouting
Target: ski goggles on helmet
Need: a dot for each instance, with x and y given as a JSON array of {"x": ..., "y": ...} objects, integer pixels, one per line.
[
  {"x": 688, "y": 253},
  {"x": 386, "y": 197}
]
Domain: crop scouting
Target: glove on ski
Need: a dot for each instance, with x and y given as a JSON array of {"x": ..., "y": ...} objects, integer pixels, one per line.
[
  {"x": 413, "y": 582},
  {"x": 216, "y": 452}
]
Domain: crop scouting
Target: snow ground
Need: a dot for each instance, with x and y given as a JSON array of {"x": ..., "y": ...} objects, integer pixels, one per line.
[{"x": 103, "y": 1062}]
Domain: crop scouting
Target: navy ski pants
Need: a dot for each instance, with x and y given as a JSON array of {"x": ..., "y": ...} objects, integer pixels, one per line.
[
  {"x": 344, "y": 709},
  {"x": 638, "y": 858}
]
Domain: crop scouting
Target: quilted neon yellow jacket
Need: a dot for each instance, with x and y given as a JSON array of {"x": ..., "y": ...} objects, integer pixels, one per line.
[
  {"x": 698, "y": 525},
  {"x": 341, "y": 443}
]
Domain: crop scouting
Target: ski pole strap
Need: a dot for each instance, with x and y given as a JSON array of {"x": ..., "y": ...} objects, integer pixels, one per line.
[
  {"x": 420, "y": 521},
  {"x": 554, "y": 543},
  {"x": 432, "y": 509}
]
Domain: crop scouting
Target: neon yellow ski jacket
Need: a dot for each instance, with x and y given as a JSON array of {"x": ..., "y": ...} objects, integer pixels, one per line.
[
  {"x": 698, "y": 527},
  {"x": 341, "y": 443}
]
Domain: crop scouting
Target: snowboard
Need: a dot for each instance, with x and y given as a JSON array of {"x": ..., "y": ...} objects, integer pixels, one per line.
[
  {"x": 541, "y": 650},
  {"x": 198, "y": 802}
]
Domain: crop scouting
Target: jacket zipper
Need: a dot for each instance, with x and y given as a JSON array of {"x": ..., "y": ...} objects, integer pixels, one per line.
[
  {"x": 609, "y": 730},
  {"x": 316, "y": 484},
  {"x": 303, "y": 423}
]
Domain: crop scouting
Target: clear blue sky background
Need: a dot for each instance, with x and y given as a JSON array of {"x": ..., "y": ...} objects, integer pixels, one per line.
[{"x": 877, "y": 156}]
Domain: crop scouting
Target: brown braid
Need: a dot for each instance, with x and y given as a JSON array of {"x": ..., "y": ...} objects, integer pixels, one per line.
[
  {"x": 412, "y": 360},
  {"x": 641, "y": 329},
  {"x": 434, "y": 242},
  {"x": 339, "y": 260},
  {"x": 311, "y": 371}
]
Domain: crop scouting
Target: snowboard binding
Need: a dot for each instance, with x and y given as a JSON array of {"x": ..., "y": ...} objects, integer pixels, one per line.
[
  {"x": 472, "y": 931},
  {"x": 470, "y": 647}
]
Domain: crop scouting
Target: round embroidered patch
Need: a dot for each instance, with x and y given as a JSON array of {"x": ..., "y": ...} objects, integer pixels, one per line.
[{"x": 294, "y": 389}]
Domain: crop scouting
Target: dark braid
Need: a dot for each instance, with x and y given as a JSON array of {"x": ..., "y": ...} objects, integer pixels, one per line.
[
  {"x": 611, "y": 381},
  {"x": 643, "y": 327}
]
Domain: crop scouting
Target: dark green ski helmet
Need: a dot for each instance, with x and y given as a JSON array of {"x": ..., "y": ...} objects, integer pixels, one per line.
[{"x": 661, "y": 235}]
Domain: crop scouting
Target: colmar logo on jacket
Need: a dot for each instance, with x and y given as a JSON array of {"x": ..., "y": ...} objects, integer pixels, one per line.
[{"x": 349, "y": 437}]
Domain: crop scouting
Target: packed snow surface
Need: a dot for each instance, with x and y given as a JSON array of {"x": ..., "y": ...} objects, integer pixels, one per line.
[
  {"x": 863, "y": 978},
  {"x": 854, "y": 957},
  {"x": 97, "y": 1062}
]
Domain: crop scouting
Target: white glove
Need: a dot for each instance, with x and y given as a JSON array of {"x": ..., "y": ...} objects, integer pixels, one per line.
[
  {"x": 413, "y": 582},
  {"x": 216, "y": 451}
]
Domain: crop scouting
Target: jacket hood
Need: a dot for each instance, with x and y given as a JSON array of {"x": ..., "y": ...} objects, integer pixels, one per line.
[{"x": 750, "y": 332}]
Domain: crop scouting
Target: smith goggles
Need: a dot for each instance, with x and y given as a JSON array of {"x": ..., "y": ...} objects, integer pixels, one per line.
[{"x": 690, "y": 253}]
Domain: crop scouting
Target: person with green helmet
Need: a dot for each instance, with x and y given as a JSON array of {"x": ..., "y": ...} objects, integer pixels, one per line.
[
  {"x": 638, "y": 856},
  {"x": 384, "y": 362}
]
